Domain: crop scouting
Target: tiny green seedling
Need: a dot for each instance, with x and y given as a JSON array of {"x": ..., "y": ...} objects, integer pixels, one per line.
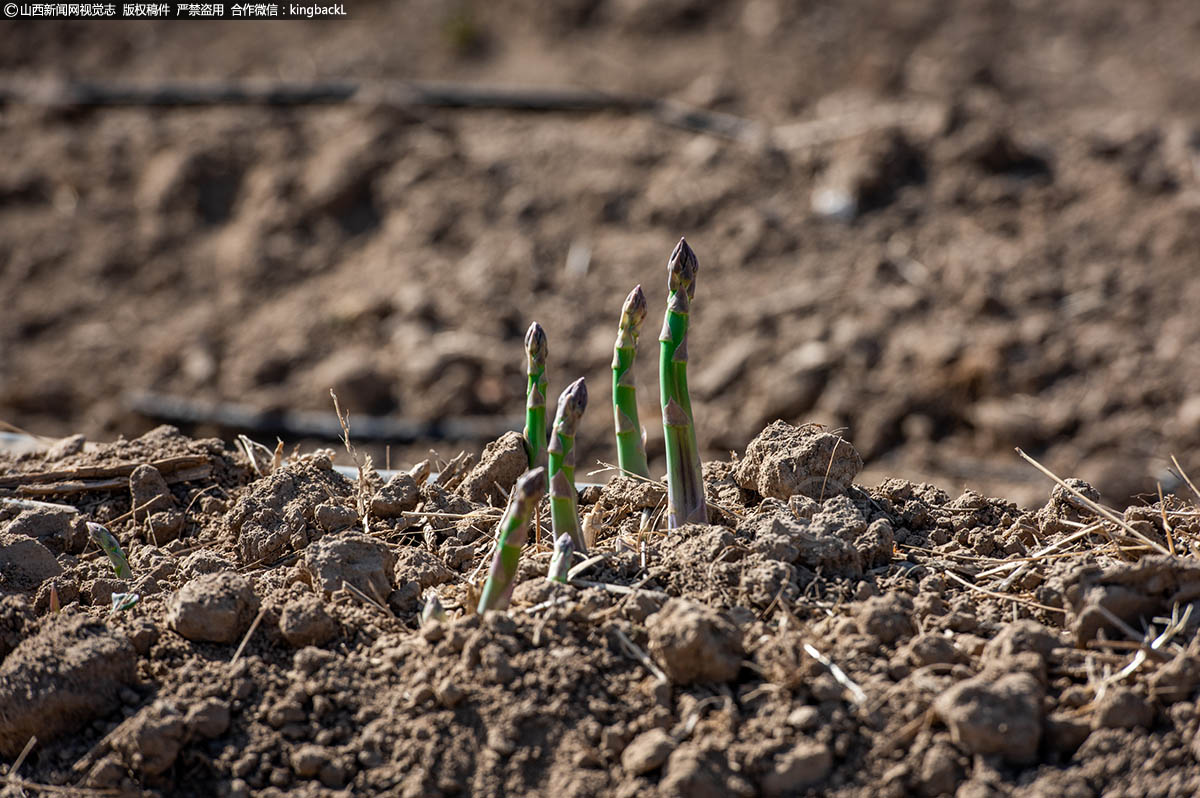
[
  {"x": 124, "y": 601},
  {"x": 108, "y": 543}
]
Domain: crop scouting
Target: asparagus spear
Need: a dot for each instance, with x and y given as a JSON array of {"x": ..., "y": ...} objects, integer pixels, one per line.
[
  {"x": 685, "y": 485},
  {"x": 514, "y": 531},
  {"x": 564, "y": 511},
  {"x": 535, "y": 395},
  {"x": 631, "y": 449},
  {"x": 105, "y": 540},
  {"x": 560, "y": 563}
]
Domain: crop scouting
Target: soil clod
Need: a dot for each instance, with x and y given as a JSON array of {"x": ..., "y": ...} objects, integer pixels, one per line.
[
  {"x": 64, "y": 677},
  {"x": 785, "y": 460},
  {"x": 694, "y": 643},
  {"x": 216, "y": 608},
  {"x": 1001, "y": 716}
]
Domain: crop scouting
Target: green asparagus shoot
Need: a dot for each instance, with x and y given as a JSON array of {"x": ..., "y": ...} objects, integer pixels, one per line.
[
  {"x": 535, "y": 395},
  {"x": 560, "y": 563},
  {"x": 685, "y": 485},
  {"x": 105, "y": 540},
  {"x": 564, "y": 509},
  {"x": 513, "y": 532},
  {"x": 631, "y": 447}
]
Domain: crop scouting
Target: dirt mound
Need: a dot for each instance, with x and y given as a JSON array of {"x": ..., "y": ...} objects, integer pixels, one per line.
[
  {"x": 60, "y": 680},
  {"x": 878, "y": 641},
  {"x": 281, "y": 513}
]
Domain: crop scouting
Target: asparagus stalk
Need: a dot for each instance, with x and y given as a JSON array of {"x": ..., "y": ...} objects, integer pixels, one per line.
[
  {"x": 535, "y": 395},
  {"x": 631, "y": 448},
  {"x": 105, "y": 540},
  {"x": 685, "y": 485},
  {"x": 560, "y": 563},
  {"x": 514, "y": 531},
  {"x": 564, "y": 511}
]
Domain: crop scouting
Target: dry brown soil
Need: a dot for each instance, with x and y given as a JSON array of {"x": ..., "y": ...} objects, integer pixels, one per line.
[
  {"x": 1021, "y": 271},
  {"x": 815, "y": 638}
]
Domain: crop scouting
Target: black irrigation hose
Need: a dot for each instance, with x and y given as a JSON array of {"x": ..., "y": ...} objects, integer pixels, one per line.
[
  {"x": 293, "y": 424},
  {"x": 80, "y": 94}
]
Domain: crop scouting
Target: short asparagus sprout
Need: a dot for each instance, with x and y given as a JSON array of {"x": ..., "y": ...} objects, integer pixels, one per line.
[
  {"x": 560, "y": 563},
  {"x": 535, "y": 395},
  {"x": 513, "y": 532},
  {"x": 105, "y": 540},
  {"x": 631, "y": 447},
  {"x": 564, "y": 509},
  {"x": 685, "y": 485},
  {"x": 433, "y": 610}
]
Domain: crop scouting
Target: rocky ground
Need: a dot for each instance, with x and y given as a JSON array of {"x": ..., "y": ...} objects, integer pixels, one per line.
[{"x": 815, "y": 638}]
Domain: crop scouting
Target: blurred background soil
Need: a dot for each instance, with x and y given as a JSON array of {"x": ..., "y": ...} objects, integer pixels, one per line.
[{"x": 960, "y": 226}]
